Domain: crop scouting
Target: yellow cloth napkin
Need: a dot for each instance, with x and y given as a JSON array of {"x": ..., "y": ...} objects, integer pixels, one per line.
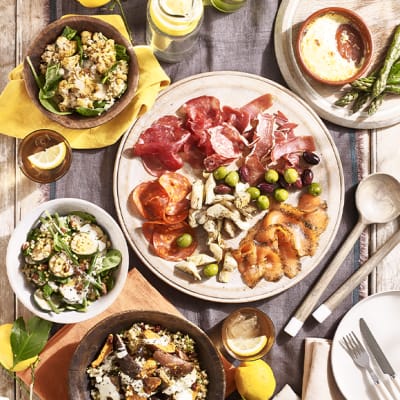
[
  {"x": 19, "y": 115},
  {"x": 318, "y": 381}
]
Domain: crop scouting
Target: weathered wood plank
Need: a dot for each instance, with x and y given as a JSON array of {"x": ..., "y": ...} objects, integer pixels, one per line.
[{"x": 21, "y": 20}]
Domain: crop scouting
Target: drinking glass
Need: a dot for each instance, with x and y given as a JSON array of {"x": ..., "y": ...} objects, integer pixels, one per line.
[
  {"x": 247, "y": 325},
  {"x": 40, "y": 140}
]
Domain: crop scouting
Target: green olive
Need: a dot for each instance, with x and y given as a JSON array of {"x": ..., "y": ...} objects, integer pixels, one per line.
[
  {"x": 220, "y": 173},
  {"x": 254, "y": 192},
  {"x": 210, "y": 270},
  {"x": 315, "y": 189},
  {"x": 232, "y": 179},
  {"x": 271, "y": 176},
  {"x": 263, "y": 202},
  {"x": 291, "y": 175},
  {"x": 184, "y": 240},
  {"x": 281, "y": 194}
]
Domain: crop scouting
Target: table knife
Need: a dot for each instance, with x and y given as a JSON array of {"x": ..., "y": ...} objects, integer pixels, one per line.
[{"x": 378, "y": 354}]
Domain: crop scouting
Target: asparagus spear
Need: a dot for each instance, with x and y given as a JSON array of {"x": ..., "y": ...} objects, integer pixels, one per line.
[
  {"x": 347, "y": 98},
  {"x": 360, "y": 101},
  {"x": 392, "y": 56},
  {"x": 375, "y": 103}
]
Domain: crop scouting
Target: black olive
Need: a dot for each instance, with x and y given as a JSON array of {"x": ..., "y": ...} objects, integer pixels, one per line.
[
  {"x": 311, "y": 158},
  {"x": 307, "y": 177},
  {"x": 266, "y": 187}
]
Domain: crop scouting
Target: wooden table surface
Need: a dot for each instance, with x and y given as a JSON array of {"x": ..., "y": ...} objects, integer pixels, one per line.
[{"x": 21, "y": 21}]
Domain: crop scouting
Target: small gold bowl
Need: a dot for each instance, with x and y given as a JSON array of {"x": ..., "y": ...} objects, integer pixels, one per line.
[{"x": 334, "y": 46}]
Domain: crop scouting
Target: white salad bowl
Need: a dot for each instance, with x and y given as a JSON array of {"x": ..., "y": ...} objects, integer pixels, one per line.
[{"x": 24, "y": 289}]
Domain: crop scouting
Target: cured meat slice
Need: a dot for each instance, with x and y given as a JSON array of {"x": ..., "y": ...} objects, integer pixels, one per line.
[
  {"x": 201, "y": 113},
  {"x": 274, "y": 247},
  {"x": 297, "y": 144},
  {"x": 150, "y": 200},
  {"x": 176, "y": 185},
  {"x": 258, "y": 105},
  {"x": 163, "y": 140},
  {"x": 163, "y": 239}
]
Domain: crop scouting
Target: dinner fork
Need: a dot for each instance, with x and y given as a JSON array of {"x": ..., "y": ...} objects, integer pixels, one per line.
[{"x": 359, "y": 354}]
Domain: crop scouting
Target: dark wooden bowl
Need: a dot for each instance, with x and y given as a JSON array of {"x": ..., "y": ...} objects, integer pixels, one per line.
[
  {"x": 89, "y": 347},
  {"x": 49, "y": 35}
]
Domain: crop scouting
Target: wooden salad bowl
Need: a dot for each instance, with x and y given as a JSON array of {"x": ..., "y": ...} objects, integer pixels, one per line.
[
  {"x": 91, "y": 344},
  {"x": 49, "y": 35}
]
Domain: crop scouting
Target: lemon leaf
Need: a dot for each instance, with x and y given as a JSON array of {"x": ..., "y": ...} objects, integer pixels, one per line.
[{"x": 27, "y": 341}]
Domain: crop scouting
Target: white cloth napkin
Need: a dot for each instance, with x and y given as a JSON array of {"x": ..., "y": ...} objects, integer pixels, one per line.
[
  {"x": 318, "y": 381},
  {"x": 286, "y": 393}
]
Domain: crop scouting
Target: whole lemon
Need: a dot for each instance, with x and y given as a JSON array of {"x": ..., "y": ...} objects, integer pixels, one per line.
[
  {"x": 255, "y": 380},
  {"x": 6, "y": 356},
  {"x": 93, "y": 3}
]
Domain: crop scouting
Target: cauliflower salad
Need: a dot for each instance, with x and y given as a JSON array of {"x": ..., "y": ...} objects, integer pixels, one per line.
[{"x": 81, "y": 72}]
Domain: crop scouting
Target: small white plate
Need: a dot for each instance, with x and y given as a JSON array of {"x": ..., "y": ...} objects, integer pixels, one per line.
[{"x": 381, "y": 312}]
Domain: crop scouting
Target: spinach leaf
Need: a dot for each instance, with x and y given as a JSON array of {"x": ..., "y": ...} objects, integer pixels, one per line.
[
  {"x": 121, "y": 53},
  {"x": 106, "y": 76},
  {"x": 50, "y": 104},
  {"x": 111, "y": 260},
  {"x": 69, "y": 33},
  {"x": 89, "y": 112},
  {"x": 52, "y": 78},
  {"x": 28, "y": 341},
  {"x": 80, "y": 49}
]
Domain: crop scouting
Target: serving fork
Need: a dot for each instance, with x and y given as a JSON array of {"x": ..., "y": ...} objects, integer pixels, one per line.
[{"x": 359, "y": 354}]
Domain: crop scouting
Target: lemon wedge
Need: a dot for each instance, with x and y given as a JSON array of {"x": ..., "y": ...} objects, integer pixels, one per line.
[
  {"x": 245, "y": 347},
  {"x": 50, "y": 158}
]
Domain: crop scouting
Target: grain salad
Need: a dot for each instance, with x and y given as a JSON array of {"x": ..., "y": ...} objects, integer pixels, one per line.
[
  {"x": 148, "y": 362},
  {"x": 83, "y": 72}
]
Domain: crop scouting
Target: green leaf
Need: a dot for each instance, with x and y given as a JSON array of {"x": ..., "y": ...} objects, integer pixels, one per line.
[
  {"x": 111, "y": 260},
  {"x": 69, "y": 32},
  {"x": 89, "y": 112},
  {"x": 52, "y": 78},
  {"x": 50, "y": 105},
  {"x": 121, "y": 53},
  {"x": 28, "y": 341}
]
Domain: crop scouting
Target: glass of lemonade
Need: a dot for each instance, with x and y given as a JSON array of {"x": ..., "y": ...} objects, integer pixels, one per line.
[
  {"x": 44, "y": 156},
  {"x": 228, "y": 5},
  {"x": 247, "y": 334}
]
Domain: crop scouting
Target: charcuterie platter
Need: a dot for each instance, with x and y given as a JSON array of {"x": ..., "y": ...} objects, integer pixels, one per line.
[
  {"x": 381, "y": 21},
  {"x": 234, "y": 89}
]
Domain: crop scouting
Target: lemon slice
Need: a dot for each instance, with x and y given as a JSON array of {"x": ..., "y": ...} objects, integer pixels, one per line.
[
  {"x": 50, "y": 158},
  {"x": 247, "y": 346},
  {"x": 176, "y": 7}
]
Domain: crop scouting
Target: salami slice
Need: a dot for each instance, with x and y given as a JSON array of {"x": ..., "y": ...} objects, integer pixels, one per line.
[
  {"x": 176, "y": 185},
  {"x": 151, "y": 200},
  {"x": 164, "y": 240}
]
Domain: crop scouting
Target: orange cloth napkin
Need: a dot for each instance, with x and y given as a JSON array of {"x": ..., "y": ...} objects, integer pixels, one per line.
[
  {"x": 19, "y": 116},
  {"x": 51, "y": 377}
]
